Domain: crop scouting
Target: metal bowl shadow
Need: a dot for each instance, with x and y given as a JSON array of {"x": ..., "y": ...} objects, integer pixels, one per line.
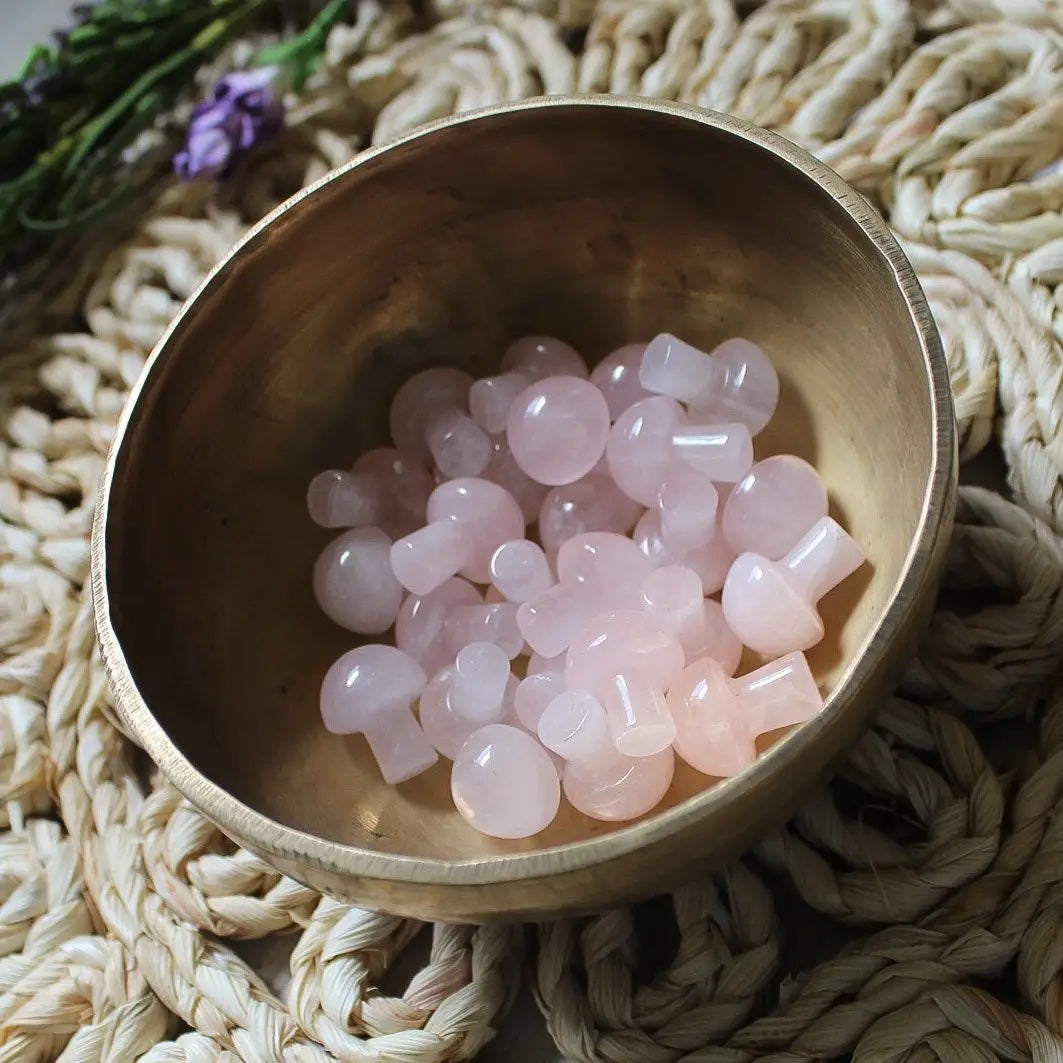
[{"x": 601, "y": 220}]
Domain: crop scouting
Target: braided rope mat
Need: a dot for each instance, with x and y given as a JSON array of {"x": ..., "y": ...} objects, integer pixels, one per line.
[{"x": 912, "y": 911}]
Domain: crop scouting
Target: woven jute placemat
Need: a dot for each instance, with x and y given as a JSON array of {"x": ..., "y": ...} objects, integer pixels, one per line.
[{"x": 912, "y": 910}]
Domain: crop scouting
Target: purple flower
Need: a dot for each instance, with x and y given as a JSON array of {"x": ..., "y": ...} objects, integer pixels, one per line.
[{"x": 241, "y": 112}]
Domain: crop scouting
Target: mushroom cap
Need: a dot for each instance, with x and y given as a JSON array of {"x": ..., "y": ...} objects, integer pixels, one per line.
[{"x": 366, "y": 682}]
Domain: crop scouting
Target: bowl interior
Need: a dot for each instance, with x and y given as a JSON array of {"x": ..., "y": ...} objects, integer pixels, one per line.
[{"x": 602, "y": 225}]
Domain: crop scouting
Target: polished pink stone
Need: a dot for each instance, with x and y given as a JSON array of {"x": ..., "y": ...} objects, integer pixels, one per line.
[
  {"x": 688, "y": 504},
  {"x": 504, "y": 783},
  {"x": 481, "y": 676},
  {"x": 722, "y": 452},
  {"x": 419, "y": 629},
  {"x": 592, "y": 503},
  {"x": 611, "y": 564},
  {"x": 490, "y": 398},
  {"x": 639, "y": 450},
  {"x": 458, "y": 445},
  {"x": 747, "y": 388},
  {"x": 597, "y": 780},
  {"x": 338, "y": 499},
  {"x": 616, "y": 376},
  {"x": 718, "y": 719},
  {"x": 543, "y": 356},
  {"x": 715, "y": 639},
  {"x": 772, "y": 507},
  {"x": 672, "y": 367},
  {"x": 534, "y": 692},
  {"x": 519, "y": 570},
  {"x": 404, "y": 486},
  {"x": 673, "y": 597},
  {"x": 426, "y": 558},
  {"x": 420, "y": 400},
  {"x": 549, "y": 621},
  {"x": 354, "y": 584},
  {"x": 504, "y": 471},
  {"x": 557, "y": 429},
  {"x": 624, "y": 659},
  {"x": 369, "y": 691},
  {"x": 711, "y": 561},
  {"x": 538, "y": 663},
  {"x": 771, "y": 606},
  {"x": 491, "y": 622},
  {"x": 446, "y": 728}
]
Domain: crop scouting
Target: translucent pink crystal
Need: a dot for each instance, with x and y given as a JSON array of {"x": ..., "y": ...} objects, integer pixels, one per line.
[
  {"x": 481, "y": 675},
  {"x": 543, "y": 665},
  {"x": 504, "y": 783},
  {"x": 419, "y": 401},
  {"x": 519, "y": 570},
  {"x": 715, "y": 639},
  {"x": 673, "y": 597},
  {"x": 616, "y": 376},
  {"x": 673, "y": 367},
  {"x": 458, "y": 445},
  {"x": 369, "y": 691},
  {"x": 488, "y": 514},
  {"x": 446, "y": 728},
  {"x": 771, "y": 606},
  {"x": 747, "y": 389},
  {"x": 688, "y": 504},
  {"x": 504, "y": 471},
  {"x": 625, "y": 660},
  {"x": 534, "y": 692},
  {"x": 543, "y": 356},
  {"x": 549, "y": 621},
  {"x": 722, "y": 452},
  {"x": 337, "y": 499},
  {"x": 711, "y": 561},
  {"x": 592, "y": 503},
  {"x": 611, "y": 564},
  {"x": 419, "y": 629},
  {"x": 772, "y": 507},
  {"x": 404, "y": 486},
  {"x": 718, "y": 719},
  {"x": 426, "y": 558},
  {"x": 639, "y": 449},
  {"x": 491, "y": 397},
  {"x": 597, "y": 780},
  {"x": 557, "y": 429},
  {"x": 491, "y": 622},
  {"x": 354, "y": 584}
]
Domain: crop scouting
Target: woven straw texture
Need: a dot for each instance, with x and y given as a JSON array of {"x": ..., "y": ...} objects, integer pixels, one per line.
[{"x": 913, "y": 910}]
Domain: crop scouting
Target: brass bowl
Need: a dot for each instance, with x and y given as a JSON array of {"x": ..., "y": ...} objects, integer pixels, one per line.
[{"x": 600, "y": 220}]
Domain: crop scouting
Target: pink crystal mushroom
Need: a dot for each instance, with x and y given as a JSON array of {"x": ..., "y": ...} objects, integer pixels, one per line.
[
  {"x": 337, "y": 499},
  {"x": 711, "y": 561},
  {"x": 557, "y": 429},
  {"x": 419, "y": 627},
  {"x": 534, "y": 692},
  {"x": 722, "y": 452},
  {"x": 688, "y": 504},
  {"x": 597, "y": 780},
  {"x": 592, "y": 503},
  {"x": 519, "y": 570},
  {"x": 490, "y": 398},
  {"x": 468, "y": 519},
  {"x": 429, "y": 417},
  {"x": 626, "y": 661},
  {"x": 543, "y": 356},
  {"x": 403, "y": 485},
  {"x": 736, "y": 382},
  {"x": 369, "y": 691},
  {"x": 504, "y": 471},
  {"x": 504, "y": 783},
  {"x": 494, "y": 622},
  {"x": 771, "y": 605},
  {"x": 353, "y": 582},
  {"x": 639, "y": 450},
  {"x": 718, "y": 719},
  {"x": 772, "y": 507},
  {"x": 616, "y": 376}
]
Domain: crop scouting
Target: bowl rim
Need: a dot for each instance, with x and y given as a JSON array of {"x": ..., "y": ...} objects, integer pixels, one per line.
[{"x": 271, "y": 836}]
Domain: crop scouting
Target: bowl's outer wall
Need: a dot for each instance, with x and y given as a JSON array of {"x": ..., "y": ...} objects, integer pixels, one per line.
[{"x": 602, "y": 222}]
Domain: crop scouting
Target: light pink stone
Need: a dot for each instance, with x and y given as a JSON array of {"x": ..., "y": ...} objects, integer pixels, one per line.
[
  {"x": 504, "y": 783},
  {"x": 534, "y": 692},
  {"x": 481, "y": 675},
  {"x": 543, "y": 356},
  {"x": 673, "y": 597},
  {"x": 718, "y": 719},
  {"x": 459, "y": 446},
  {"x": 519, "y": 570},
  {"x": 538, "y": 663},
  {"x": 490, "y": 398},
  {"x": 419, "y": 629},
  {"x": 491, "y": 622},
  {"x": 625, "y": 660},
  {"x": 616, "y": 376},
  {"x": 611, "y": 564},
  {"x": 504, "y": 471},
  {"x": 354, "y": 584},
  {"x": 639, "y": 449},
  {"x": 715, "y": 639},
  {"x": 419, "y": 401},
  {"x": 404, "y": 486},
  {"x": 446, "y": 728},
  {"x": 722, "y": 452},
  {"x": 426, "y": 558},
  {"x": 747, "y": 388},
  {"x": 772, "y": 507},
  {"x": 771, "y": 606},
  {"x": 597, "y": 780},
  {"x": 688, "y": 504},
  {"x": 557, "y": 429},
  {"x": 711, "y": 562},
  {"x": 369, "y": 691},
  {"x": 337, "y": 499},
  {"x": 592, "y": 503},
  {"x": 549, "y": 621}
]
